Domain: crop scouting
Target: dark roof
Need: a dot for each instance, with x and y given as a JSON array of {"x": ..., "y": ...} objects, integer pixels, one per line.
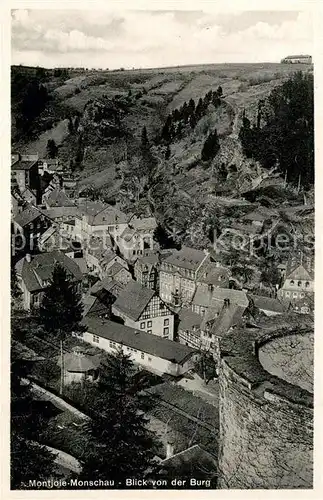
[
  {"x": 115, "y": 268},
  {"x": 26, "y": 216},
  {"x": 41, "y": 268},
  {"x": 188, "y": 319},
  {"x": 142, "y": 341},
  {"x": 186, "y": 257},
  {"x": 133, "y": 299},
  {"x": 57, "y": 198},
  {"x": 24, "y": 164},
  {"x": 267, "y": 303},
  {"x": 108, "y": 284}
]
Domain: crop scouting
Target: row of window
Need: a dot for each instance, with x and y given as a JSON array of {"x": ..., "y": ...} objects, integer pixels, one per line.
[
  {"x": 299, "y": 283},
  {"x": 150, "y": 324},
  {"x": 295, "y": 294}
]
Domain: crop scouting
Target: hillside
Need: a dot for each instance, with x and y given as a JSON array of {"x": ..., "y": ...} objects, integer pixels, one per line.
[{"x": 97, "y": 118}]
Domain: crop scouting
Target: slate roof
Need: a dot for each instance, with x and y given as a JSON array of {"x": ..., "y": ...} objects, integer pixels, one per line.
[
  {"x": 81, "y": 262},
  {"x": 133, "y": 299},
  {"x": 267, "y": 303},
  {"x": 24, "y": 164},
  {"x": 229, "y": 316},
  {"x": 101, "y": 214},
  {"x": 26, "y": 216},
  {"x": 79, "y": 363},
  {"x": 58, "y": 198},
  {"x": 115, "y": 269},
  {"x": 218, "y": 295},
  {"x": 188, "y": 319},
  {"x": 41, "y": 268},
  {"x": 108, "y": 284},
  {"x": 140, "y": 340},
  {"x": 57, "y": 212},
  {"x": 186, "y": 257},
  {"x": 213, "y": 274}
]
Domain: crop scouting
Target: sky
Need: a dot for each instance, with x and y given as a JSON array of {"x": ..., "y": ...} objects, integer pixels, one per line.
[{"x": 143, "y": 39}]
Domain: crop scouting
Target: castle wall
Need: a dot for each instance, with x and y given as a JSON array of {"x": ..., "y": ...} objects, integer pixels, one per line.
[{"x": 266, "y": 427}]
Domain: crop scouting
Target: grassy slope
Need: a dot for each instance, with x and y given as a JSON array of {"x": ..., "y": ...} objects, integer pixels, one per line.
[{"x": 166, "y": 89}]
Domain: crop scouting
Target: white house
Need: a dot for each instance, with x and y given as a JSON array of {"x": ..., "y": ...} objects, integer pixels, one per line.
[
  {"x": 153, "y": 353},
  {"x": 140, "y": 307}
]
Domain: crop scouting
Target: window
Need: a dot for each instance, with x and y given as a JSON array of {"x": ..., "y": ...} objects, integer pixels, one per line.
[
  {"x": 112, "y": 344},
  {"x": 96, "y": 339},
  {"x": 302, "y": 295},
  {"x": 143, "y": 325},
  {"x": 149, "y": 324},
  {"x": 149, "y": 331},
  {"x": 292, "y": 282},
  {"x": 307, "y": 283},
  {"x": 166, "y": 331},
  {"x": 287, "y": 294},
  {"x": 295, "y": 295},
  {"x": 142, "y": 355},
  {"x": 133, "y": 252},
  {"x": 166, "y": 322},
  {"x": 149, "y": 359},
  {"x": 162, "y": 305},
  {"x": 299, "y": 283}
]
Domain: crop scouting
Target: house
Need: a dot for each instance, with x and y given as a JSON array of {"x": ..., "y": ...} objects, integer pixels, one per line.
[
  {"x": 178, "y": 275},
  {"x": 96, "y": 218},
  {"x": 216, "y": 325},
  {"x": 210, "y": 304},
  {"x": 189, "y": 328},
  {"x": 50, "y": 165},
  {"x": 30, "y": 195},
  {"x": 143, "y": 309},
  {"x": 57, "y": 198},
  {"x": 34, "y": 274},
  {"x": 268, "y": 305},
  {"x": 298, "y": 59},
  {"x": 156, "y": 354},
  {"x": 100, "y": 258},
  {"x": 79, "y": 366},
  {"x": 28, "y": 226},
  {"x": 62, "y": 214},
  {"x": 24, "y": 172},
  {"x": 137, "y": 237},
  {"x": 146, "y": 270},
  {"x": 299, "y": 279}
]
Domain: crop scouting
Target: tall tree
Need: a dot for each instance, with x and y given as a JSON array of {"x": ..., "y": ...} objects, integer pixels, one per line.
[
  {"x": 144, "y": 138},
  {"x": 121, "y": 445},
  {"x": 61, "y": 308},
  {"x": 211, "y": 146},
  {"x": 51, "y": 148}
]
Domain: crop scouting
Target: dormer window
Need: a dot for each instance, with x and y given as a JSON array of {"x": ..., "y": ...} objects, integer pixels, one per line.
[
  {"x": 299, "y": 283},
  {"x": 307, "y": 283},
  {"x": 292, "y": 282}
]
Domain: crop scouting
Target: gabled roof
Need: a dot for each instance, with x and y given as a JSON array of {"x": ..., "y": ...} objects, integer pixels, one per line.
[
  {"x": 140, "y": 340},
  {"x": 79, "y": 363},
  {"x": 267, "y": 303},
  {"x": 28, "y": 215},
  {"x": 133, "y": 299},
  {"x": 229, "y": 316},
  {"x": 57, "y": 212},
  {"x": 213, "y": 274},
  {"x": 24, "y": 164},
  {"x": 115, "y": 269},
  {"x": 186, "y": 257},
  {"x": 217, "y": 297},
  {"x": 58, "y": 198},
  {"x": 300, "y": 273},
  {"x": 99, "y": 213},
  {"x": 108, "y": 284},
  {"x": 41, "y": 269},
  {"x": 188, "y": 319}
]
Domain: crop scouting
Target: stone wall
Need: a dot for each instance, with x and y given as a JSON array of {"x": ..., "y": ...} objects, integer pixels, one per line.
[{"x": 266, "y": 424}]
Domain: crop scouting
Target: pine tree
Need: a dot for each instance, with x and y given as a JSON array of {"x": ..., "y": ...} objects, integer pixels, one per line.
[
  {"x": 121, "y": 446},
  {"x": 219, "y": 91},
  {"x": 51, "y": 148},
  {"x": 61, "y": 308},
  {"x": 167, "y": 152},
  {"x": 211, "y": 146},
  {"x": 144, "y": 138}
]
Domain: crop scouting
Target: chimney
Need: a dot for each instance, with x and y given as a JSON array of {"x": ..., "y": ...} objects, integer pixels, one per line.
[
  {"x": 226, "y": 303},
  {"x": 28, "y": 257},
  {"x": 169, "y": 450}
]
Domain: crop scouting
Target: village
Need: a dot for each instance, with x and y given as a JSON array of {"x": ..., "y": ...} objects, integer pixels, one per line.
[{"x": 167, "y": 308}]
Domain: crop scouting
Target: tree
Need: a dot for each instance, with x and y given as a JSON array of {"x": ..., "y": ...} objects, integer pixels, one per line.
[
  {"x": 61, "y": 308},
  {"x": 30, "y": 460},
  {"x": 211, "y": 146},
  {"x": 51, "y": 148},
  {"x": 144, "y": 138},
  {"x": 15, "y": 289},
  {"x": 167, "y": 152},
  {"x": 120, "y": 444}
]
